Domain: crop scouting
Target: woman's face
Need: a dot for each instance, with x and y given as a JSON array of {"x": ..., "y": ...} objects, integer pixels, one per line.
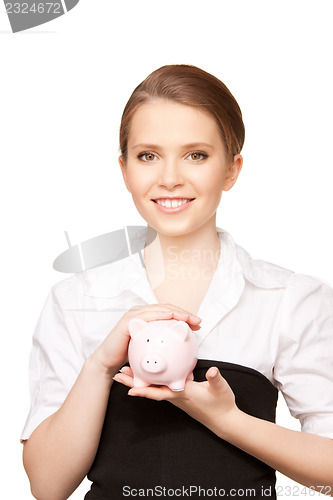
[{"x": 176, "y": 151}]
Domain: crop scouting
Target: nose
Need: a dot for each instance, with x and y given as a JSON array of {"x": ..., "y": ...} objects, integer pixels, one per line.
[
  {"x": 153, "y": 363},
  {"x": 171, "y": 175}
]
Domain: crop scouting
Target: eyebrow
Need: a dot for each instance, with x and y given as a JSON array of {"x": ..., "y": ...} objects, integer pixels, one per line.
[{"x": 192, "y": 145}]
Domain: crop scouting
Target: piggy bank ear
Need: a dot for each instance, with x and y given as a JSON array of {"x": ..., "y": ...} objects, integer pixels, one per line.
[
  {"x": 181, "y": 329},
  {"x": 135, "y": 326}
]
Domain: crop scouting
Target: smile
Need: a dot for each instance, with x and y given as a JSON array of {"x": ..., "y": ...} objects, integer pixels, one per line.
[{"x": 174, "y": 205}]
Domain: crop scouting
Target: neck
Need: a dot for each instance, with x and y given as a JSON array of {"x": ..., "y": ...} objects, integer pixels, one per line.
[{"x": 196, "y": 250}]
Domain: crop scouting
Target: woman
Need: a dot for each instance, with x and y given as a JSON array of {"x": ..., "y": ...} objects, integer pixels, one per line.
[{"x": 263, "y": 328}]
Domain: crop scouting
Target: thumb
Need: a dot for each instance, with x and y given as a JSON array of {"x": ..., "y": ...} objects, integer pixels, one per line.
[{"x": 215, "y": 379}]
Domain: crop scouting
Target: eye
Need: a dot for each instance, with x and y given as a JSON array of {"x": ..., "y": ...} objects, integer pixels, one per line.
[
  {"x": 147, "y": 340},
  {"x": 197, "y": 156},
  {"x": 148, "y": 157}
]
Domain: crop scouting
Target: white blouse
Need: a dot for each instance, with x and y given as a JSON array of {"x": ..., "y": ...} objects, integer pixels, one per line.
[{"x": 254, "y": 314}]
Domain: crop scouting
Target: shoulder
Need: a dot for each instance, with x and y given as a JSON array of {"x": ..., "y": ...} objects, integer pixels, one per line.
[
  {"x": 269, "y": 275},
  {"x": 308, "y": 296},
  {"x": 306, "y": 290},
  {"x": 307, "y": 310},
  {"x": 68, "y": 292},
  {"x": 298, "y": 287},
  {"x": 260, "y": 272},
  {"x": 108, "y": 280}
]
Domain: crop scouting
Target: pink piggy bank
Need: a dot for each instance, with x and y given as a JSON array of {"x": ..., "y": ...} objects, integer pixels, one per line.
[{"x": 162, "y": 352}]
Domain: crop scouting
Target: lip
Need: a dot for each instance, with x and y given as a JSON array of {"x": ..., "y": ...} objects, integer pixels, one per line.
[
  {"x": 173, "y": 198},
  {"x": 172, "y": 210}
]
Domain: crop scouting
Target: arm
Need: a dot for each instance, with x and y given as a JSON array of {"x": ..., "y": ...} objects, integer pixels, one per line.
[
  {"x": 303, "y": 370},
  {"x": 59, "y": 453},
  {"x": 304, "y": 457}
]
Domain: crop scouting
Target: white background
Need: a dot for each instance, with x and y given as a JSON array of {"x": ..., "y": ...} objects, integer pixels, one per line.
[{"x": 62, "y": 90}]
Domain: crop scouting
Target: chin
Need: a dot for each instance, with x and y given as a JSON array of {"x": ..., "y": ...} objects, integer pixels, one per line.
[{"x": 174, "y": 230}]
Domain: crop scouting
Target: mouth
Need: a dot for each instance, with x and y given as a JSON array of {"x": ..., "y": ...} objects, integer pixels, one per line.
[
  {"x": 172, "y": 202},
  {"x": 172, "y": 205}
]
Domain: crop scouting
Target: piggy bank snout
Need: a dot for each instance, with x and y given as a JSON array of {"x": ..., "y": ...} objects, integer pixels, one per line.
[{"x": 153, "y": 363}]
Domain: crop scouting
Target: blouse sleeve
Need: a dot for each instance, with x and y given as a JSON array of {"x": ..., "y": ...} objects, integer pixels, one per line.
[
  {"x": 304, "y": 367},
  {"x": 56, "y": 357}
]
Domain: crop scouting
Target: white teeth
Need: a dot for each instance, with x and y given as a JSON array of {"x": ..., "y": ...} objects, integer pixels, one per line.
[{"x": 172, "y": 203}]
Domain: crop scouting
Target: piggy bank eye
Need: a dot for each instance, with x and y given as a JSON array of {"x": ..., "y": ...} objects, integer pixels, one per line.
[{"x": 147, "y": 340}]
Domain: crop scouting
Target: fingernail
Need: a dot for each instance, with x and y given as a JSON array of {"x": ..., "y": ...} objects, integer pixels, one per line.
[
  {"x": 196, "y": 317},
  {"x": 133, "y": 393}
]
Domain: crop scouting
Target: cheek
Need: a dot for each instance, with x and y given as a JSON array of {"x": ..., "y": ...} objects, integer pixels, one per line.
[
  {"x": 212, "y": 185},
  {"x": 137, "y": 183}
]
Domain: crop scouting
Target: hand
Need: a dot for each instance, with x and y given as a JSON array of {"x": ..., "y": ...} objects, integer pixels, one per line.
[
  {"x": 112, "y": 352},
  {"x": 211, "y": 402}
]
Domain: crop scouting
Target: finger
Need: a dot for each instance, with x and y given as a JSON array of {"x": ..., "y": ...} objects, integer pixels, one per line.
[
  {"x": 192, "y": 320},
  {"x": 167, "y": 314},
  {"x": 123, "y": 379},
  {"x": 126, "y": 370},
  {"x": 188, "y": 317},
  {"x": 195, "y": 328},
  {"x": 215, "y": 379},
  {"x": 156, "y": 393},
  {"x": 179, "y": 311}
]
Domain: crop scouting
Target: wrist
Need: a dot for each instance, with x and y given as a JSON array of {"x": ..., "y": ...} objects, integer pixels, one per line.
[
  {"x": 233, "y": 424},
  {"x": 95, "y": 364}
]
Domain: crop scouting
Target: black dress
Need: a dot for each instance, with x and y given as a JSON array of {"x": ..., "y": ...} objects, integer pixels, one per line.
[{"x": 155, "y": 447}]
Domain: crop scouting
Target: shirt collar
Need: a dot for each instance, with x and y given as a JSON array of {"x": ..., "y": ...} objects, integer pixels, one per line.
[
  {"x": 261, "y": 273},
  {"x": 235, "y": 264}
]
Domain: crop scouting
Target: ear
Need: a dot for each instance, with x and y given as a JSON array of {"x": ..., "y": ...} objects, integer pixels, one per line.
[
  {"x": 135, "y": 326},
  {"x": 233, "y": 172},
  {"x": 123, "y": 168},
  {"x": 181, "y": 329}
]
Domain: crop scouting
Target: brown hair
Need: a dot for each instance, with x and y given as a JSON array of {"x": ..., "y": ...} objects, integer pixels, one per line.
[{"x": 187, "y": 84}]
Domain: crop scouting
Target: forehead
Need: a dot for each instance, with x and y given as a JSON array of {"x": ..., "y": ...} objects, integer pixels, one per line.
[{"x": 166, "y": 121}]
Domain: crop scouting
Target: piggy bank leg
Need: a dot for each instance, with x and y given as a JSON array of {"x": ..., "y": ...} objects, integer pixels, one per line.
[
  {"x": 177, "y": 386},
  {"x": 138, "y": 382}
]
